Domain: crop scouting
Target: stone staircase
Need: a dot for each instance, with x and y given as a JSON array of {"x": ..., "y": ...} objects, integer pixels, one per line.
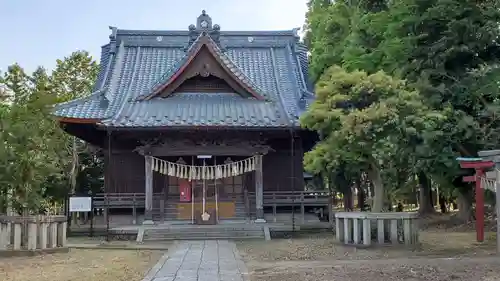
[{"x": 204, "y": 232}]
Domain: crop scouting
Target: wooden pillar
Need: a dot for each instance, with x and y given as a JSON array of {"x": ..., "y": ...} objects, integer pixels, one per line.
[
  {"x": 148, "y": 185},
  {"x": 259, "y": 190},
  {"x": 330, "y": 209},
  {"x": 479, "y": 206},
  {"x": 479, "y": 165},
  {"x": 134, "y": 210},
  {"x": 247, "y": 204},
  {"x": 162, "y": 209},
  {"x": 274, "y": 211},
  {"x": 302, "y": 209}
]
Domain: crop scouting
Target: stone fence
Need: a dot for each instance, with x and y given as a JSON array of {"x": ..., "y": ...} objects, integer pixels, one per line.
[
  {"x": 364, "y": 228},
  {"x": 32, "y": 232}
]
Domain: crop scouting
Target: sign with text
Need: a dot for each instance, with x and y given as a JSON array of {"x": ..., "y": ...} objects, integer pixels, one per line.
[{"x": 80, "y": 204}]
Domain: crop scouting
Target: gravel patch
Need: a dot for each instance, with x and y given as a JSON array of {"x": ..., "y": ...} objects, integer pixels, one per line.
[
  {"x": 317, "y": 257},
  {"x": 322, "y": 246},
  {"x": 80, "y": 265},
  {"x": 382, "y": 270}
]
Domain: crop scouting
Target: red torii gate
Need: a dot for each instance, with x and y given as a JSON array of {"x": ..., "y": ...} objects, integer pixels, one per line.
[{"x": 480, "y": 166}]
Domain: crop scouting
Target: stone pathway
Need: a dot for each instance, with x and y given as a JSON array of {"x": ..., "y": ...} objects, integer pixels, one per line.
[{"x": 213, "y": 260}]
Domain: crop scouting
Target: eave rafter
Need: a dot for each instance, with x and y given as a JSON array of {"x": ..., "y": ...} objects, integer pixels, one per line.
[{"x": 77, "y": 120}]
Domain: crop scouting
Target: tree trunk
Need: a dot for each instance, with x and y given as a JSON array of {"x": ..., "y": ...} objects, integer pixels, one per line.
[
  {"x": 74, "y": 172},
  {"x": 348, "y": 202},
  {"x": 378, "y": 188},
  {"x": 442, "y": 204},
  {"x": 464, "y": 202},
  {"x": 74, "y": 166},
  {"x": 361, "y": 197},
  {"x": 426, "y": 205}
]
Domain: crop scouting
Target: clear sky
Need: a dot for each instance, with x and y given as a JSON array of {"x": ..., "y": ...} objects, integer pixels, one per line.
[{"x": 37, "y": 32}]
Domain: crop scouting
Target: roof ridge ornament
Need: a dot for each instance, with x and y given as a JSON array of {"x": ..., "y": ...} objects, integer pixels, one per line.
[
  {"x": 204, "y": 26},
  {"x": 112, "y": 39},
  {"x": 204, "y": 21}
]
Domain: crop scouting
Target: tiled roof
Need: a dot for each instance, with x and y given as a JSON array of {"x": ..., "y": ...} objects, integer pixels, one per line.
[
  {"x": 93, "y": 106},
  {"x": 201, "y": 109},
  {"x": 135, "y": 62}
]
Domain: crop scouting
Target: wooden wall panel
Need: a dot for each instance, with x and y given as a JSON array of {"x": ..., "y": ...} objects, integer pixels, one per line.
[
  {"x": 281, "y": 166},
  {"x": 127, "y": 175},
  {"x": 126, "y": 171}
]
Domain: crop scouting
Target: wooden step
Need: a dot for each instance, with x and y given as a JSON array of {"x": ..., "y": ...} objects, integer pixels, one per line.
[{"x": 202, "y": 232}]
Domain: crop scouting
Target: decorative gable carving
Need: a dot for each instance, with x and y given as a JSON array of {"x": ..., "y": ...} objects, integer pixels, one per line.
[
  {"x": 205, "y": 69},
  {"x": 205, "y": 74}
]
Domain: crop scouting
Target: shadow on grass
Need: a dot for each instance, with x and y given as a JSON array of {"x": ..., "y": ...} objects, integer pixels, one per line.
[{"x": 443, "y": 243}]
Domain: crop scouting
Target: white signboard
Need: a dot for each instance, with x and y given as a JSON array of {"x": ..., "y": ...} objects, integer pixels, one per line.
[
  {"x": 204, "y": 156},
  {"x": 80, "y": 204}
]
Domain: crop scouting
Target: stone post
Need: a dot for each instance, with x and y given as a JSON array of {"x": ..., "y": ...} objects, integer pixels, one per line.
[
  {"x": 4, "y": 235},
  {"x": 32, "y": 235},
  {"x": 16, "y": 228},
  {"x": 367, "y": 232},
  {"x": 259, "y": 190},
  {"x": 497, "y": 205},
  {"x": 61, "y": 234},
  {"x": 53, "y": 235},
  {"x": 494, "y": 155},
  {"x": 148, "y": 212},
  {"x": 339, "y": 231},
  {"x": 42, "y": 235}
]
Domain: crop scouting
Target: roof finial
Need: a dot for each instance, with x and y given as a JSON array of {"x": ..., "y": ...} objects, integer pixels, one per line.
[
  {"x": 114, "y": 30},
  {"x": 204, "y": 21},
  {"x": 204, "y": 26}
]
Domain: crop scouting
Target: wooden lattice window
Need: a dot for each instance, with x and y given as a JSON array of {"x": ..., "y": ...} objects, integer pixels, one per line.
[{"x": 200, "y": 84}]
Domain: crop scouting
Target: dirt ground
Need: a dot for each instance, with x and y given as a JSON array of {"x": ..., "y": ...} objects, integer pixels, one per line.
[
  {"x": 80, "y": 265},
  {"x": 403, "y": 269},
  {"x": 322, "y": 246},
  {"x": 445, "y": 254}
]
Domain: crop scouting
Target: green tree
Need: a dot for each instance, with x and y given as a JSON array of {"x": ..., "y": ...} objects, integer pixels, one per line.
[
  {"x": 40, "y": 158},
  {"x": 453, "y": 60},
  {"x": 31, "y": 140},
  {"x": 367, "y": 121},
  {"x": 74, "y": 77},
  {"x": 446, "y": 49}
]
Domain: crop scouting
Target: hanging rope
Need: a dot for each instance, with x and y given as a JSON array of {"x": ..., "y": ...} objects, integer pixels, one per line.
[{"x": 191, "y": 172}]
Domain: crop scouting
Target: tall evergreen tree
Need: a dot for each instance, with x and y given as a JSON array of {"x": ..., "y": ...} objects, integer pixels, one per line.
[{"x": 448, "y": 50}]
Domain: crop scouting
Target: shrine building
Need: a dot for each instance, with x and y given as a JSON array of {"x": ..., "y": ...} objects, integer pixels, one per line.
[{"x": 198, "y": 125}]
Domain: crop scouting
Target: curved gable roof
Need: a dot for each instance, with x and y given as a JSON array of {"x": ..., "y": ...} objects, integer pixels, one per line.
[
  {"x": 137, "y": 63},
  {"x": 204, "y": 41}
]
